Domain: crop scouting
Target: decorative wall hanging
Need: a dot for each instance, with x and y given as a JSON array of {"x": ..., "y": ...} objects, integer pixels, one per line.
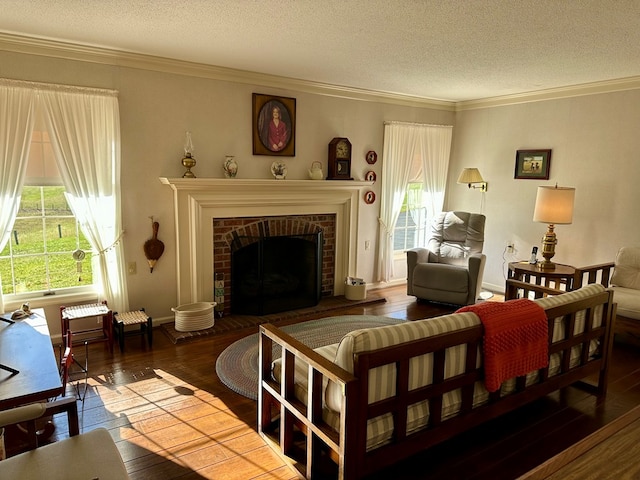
[
  {"x": 372, "y": 157},
  {"x": 153, "y": 248},
  {"x": 274, "y": 125},
  {"x": 369, "y": 197},
  {"x": 370, "y": 176},
  {"x": 533, "y": 164}
]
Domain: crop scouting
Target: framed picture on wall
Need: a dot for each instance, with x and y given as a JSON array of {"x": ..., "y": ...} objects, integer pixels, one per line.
[
  {"x": 274, "y": 125},
  {"x": 533, "y": 164}
]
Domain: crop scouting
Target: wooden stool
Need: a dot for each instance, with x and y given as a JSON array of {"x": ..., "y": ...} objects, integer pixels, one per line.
[
  {"x": 102, "y": 333},
  {"x": 136, "y": 317}
]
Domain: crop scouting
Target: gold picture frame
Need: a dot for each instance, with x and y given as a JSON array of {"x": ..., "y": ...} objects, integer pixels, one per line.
[{"x": 274, "y": 125}]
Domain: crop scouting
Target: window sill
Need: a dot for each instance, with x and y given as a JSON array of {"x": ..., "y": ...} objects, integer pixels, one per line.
[{"x": 42, "y": 301}]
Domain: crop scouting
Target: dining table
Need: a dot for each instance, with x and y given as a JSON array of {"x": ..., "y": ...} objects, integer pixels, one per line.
[{"x": 29, "y": 371}]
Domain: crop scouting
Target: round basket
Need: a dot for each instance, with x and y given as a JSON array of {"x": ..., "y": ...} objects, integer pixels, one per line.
[{"x": 194, "y": 316}]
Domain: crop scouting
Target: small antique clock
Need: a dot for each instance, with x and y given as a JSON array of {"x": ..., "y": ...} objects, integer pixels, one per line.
[{"x": 339, "y": 159}]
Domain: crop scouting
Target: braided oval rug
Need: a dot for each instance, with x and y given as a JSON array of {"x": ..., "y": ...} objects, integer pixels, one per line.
[{"x": 237, "y": 365}]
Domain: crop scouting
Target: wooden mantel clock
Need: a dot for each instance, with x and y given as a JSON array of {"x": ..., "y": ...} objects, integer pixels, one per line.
[{"x": 339, "y": 159}]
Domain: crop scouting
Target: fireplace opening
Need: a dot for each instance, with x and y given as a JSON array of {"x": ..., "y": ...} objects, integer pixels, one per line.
[{"x": 273, "y": 274}]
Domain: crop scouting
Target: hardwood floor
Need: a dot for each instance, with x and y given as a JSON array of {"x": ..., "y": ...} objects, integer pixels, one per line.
[{"x": 171, "y": 417}]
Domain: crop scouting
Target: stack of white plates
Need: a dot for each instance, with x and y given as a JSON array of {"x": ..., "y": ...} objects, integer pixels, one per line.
[{"x": 194, "y": 316}]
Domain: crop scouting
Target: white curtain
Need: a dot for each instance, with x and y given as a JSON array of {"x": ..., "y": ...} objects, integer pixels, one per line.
[
  {"x": 435, "y": 150},
  {"x": 16, "y": 126},
  {"x": 84, "y": 126},
  {"x": 85, "y": 136},
  {"x": 409, "y": 148}
]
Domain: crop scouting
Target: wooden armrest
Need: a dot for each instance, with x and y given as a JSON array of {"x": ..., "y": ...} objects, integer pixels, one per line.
[
  {"x": 539, "y": 291},
  {"x": 69, "y": 406},
  {"x": 599, "y": 273}
]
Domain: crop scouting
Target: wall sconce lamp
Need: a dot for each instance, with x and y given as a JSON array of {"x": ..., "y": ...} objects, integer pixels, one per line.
[
  {"x": 554, "y": 206},
  {"x": 472, "y": 177}
]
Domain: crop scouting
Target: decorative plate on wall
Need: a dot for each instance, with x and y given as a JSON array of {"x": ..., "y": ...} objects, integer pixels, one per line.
[
  {"x": 370, "y": 176},
  {"x": 369, "y": 197},
  {"x": 372, "y": 157}
]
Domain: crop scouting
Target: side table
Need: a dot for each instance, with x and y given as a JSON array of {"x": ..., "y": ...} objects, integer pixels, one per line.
[{"x": 560, "y": 278}]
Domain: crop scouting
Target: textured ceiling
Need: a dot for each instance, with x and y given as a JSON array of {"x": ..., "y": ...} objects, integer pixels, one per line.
[{"x": 451, "y": 50}]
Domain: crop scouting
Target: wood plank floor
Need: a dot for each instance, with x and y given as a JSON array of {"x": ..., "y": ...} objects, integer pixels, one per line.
[{"x": 172, "y": 418}]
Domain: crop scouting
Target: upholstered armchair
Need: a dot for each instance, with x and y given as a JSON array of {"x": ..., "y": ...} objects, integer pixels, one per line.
[{"x": 450, "y": 269}]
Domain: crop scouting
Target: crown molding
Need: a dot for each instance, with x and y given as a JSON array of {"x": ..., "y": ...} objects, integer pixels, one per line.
[
  {"x": 595, "y": 88},
  {"x": 93, "y": 54}
]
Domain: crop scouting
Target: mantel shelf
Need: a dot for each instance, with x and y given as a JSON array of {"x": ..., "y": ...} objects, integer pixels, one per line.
[{"x": 200, "y": 183}]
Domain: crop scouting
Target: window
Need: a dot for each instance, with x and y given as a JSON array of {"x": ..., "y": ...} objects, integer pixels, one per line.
[
  {"x": 39, "y": 256},
  {"x": 411, "y": 228}
]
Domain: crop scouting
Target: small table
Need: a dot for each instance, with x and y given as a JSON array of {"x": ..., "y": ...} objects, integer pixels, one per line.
[
  {"x": 26, "y": 347},
  {"x": 559, "y": 278}
]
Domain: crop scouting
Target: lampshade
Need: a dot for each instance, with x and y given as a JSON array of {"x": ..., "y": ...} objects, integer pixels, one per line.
[
  {"x": 554, "y": 205},
  {"x": 470, "y": 175}
]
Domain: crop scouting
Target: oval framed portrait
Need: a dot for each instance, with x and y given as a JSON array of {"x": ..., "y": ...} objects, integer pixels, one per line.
[{"x": 370, "y": 176}]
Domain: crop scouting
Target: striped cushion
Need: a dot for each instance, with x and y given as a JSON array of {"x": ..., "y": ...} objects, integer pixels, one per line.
[{"x": 382, "y": 379}]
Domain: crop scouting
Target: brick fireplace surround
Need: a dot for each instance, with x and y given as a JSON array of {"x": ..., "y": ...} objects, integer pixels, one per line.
[
  {"x": 198, "y": 201},
  {"x": 225, "y": 228}
]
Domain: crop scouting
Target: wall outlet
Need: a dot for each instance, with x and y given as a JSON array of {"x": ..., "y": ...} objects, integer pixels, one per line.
[
  {"x": 132, "y": 268},
  {"x": 367, "y": 244},
  {"x": 511, "y": 248}
]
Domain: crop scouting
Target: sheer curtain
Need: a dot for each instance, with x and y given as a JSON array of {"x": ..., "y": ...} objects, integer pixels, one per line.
[
  {"x": 409, "y": 148},
  {"x": 84, "y": 126},
  {"x": 17, "y": 117},
  {"x": 85, "y": 136}
]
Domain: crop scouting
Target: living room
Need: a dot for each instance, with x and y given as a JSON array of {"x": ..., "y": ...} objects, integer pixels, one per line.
[{"x": 590, "y": 128}]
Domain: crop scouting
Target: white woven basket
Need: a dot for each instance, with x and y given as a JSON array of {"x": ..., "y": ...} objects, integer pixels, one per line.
[{"x": 194, "y": 316}]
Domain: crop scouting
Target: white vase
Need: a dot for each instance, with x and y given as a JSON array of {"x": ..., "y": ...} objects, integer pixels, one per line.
[{"x": 230, "y": 166}]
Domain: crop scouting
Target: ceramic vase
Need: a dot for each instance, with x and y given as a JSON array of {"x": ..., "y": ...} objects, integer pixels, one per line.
[{"x": 230, "y": 166}]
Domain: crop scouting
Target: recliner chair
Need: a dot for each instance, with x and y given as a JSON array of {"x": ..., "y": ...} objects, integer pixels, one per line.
[{"x": 450, "y": 269}]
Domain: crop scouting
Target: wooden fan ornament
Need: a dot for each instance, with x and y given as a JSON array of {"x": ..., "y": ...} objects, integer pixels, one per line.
[{"x": 153, "y": 248}]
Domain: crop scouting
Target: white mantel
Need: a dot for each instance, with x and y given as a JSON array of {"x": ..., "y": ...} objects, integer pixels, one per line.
[{"x": 197, "y": 201}]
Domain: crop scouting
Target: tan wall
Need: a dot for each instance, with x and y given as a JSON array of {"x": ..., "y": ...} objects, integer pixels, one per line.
[
  {"x": 595, "y": 142},
  {"x": 157, "y": 108}
]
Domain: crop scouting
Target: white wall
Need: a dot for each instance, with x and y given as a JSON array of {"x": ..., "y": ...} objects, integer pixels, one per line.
[
  {"x": 595, "y": 143},
  {"x": 157, "y": 108}
]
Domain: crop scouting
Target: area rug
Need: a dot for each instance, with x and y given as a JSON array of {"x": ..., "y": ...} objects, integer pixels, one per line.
[{"x": 237, "y": 365}]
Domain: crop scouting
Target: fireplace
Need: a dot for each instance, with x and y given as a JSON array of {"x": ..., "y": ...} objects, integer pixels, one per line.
[
  {"x": 197, "y": 201},
  {"x": 233, "y": 234},
  {"x": 275, "y": 273}
]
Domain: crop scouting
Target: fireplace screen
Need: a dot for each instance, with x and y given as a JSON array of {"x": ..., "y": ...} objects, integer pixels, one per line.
[{"x": 272, "y": 274}]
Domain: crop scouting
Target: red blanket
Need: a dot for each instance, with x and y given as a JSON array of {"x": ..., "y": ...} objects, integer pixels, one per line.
[{"x": 515, "y": 339}]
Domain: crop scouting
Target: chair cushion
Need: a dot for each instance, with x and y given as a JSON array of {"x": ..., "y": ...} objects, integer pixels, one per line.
[
  {"x": 628, "y": 300},
  {"x": 440, "y": 276},
  {"x": 86, "y": 456},
  {"x": 455, "y": 235},
  {"x": 627, "y": 268}
]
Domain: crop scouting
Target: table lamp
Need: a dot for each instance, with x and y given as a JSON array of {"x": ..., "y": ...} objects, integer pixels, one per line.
[{"x": 554, "y": 206}]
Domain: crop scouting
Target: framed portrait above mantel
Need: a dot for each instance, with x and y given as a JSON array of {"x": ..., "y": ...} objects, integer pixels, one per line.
[
  {"x": 274, "y": 125},
  {"x": 533, "y": 164}
]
